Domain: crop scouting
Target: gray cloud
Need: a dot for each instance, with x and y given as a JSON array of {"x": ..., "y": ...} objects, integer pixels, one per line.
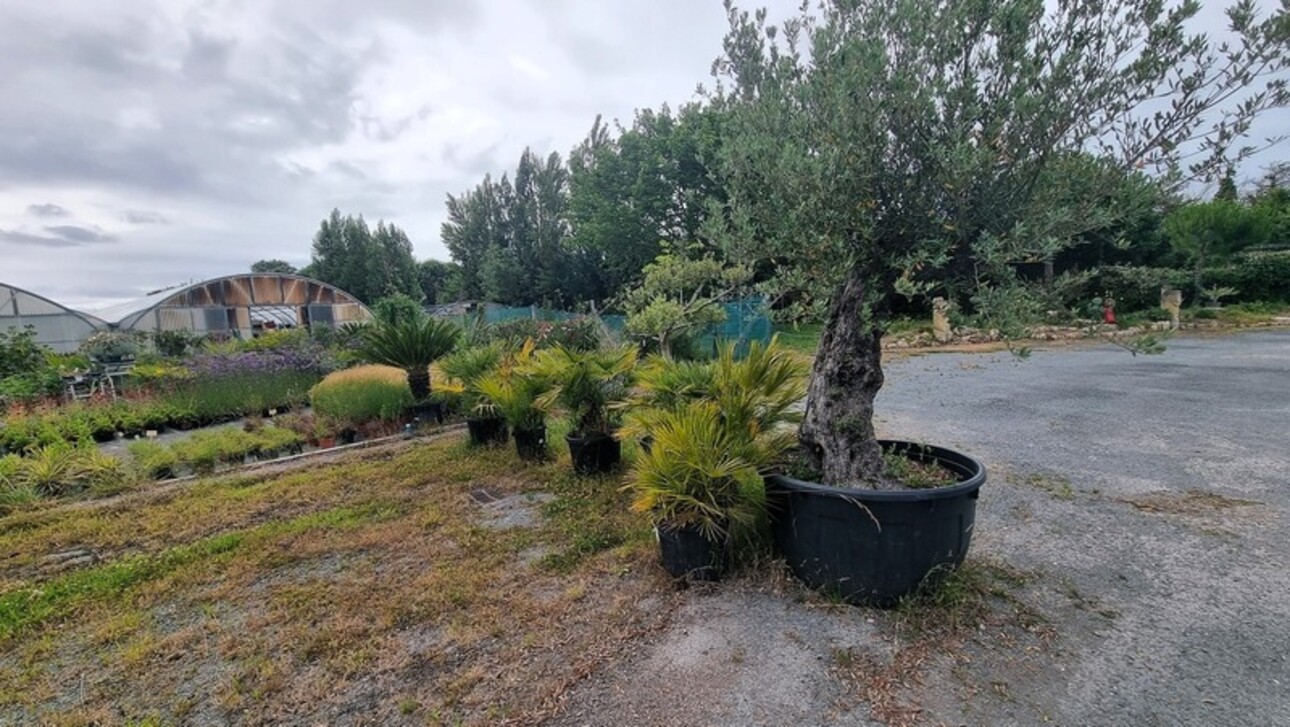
[
  {"x": 474, "y": 165},
  {"x": 143, "y": 217},
  {"x": 47, "y": 210},
  {"x": 80, "y": 235},
  {"x": 22, "y": 237}
]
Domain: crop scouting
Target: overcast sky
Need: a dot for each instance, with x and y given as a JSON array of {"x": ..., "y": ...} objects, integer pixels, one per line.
[{"x": 145, "y": 143}]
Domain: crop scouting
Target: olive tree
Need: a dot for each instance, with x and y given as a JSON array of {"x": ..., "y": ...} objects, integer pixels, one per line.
[{"x": 879, "y": 148}]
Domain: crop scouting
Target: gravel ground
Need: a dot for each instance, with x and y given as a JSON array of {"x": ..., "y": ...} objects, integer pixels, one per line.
[{"x": 1148, "y": 496}]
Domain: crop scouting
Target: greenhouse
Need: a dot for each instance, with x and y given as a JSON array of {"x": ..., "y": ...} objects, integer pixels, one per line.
[
  {"x": 56, "y": 326},
  {"x": 238, "y": 305}
]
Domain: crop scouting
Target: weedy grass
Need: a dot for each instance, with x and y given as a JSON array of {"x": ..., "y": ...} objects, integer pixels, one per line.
[
  {"x": 804, "y": 339},
  {"x": 372, "y": 583}
]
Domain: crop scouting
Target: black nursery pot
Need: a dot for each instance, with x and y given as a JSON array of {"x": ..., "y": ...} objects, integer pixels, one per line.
[
  {"x": 429, "y": 411},
  {"x": 595, "y": 453},
  {"x": 487, "y": 431},
  {"x": 531, "y": 443},
  {"x": 874, "y": 547},
  {"x": 687, "y": 554}
]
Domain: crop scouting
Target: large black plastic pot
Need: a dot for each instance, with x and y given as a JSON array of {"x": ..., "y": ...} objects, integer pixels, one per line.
[
  {"x": 531, "y": 443},
  {"x": 487, "y": 431},
  {"x": 687, "y": 554},
  {"x": 876, "y": 546},
  {"x": 595, "y": 453},
  {"x": 427, "y": 412}
]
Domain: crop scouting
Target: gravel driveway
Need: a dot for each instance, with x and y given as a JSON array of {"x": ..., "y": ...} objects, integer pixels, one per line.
[{"x": 1148, "y": 496}]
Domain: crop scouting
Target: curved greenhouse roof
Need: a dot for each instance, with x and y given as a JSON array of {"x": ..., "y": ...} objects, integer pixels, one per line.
[
  {"x": 56, "y": 325},
  {"x": 239, "y": 305}
]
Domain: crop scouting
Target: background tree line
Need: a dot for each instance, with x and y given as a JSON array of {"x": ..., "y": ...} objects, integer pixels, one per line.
[{"x": 565, "y": 233}]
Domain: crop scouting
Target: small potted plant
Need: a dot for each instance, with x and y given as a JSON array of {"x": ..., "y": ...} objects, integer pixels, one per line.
[
  {"x": 110, "y": 347},
  {"x": 324, "y": 432},
  {"x": 715, "y": 431},
  {"x": 512, "y": 390},
  {"x": 1215, "y": 294},
  {"x": 591, "y": 388},
  {"x": 700, "y": 481},
  {"x": 461, "y": 372},
  {"x": 663, "y": 385}
]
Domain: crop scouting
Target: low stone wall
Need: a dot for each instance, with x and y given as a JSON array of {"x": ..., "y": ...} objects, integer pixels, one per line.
[{"x": 966, "y": 335}]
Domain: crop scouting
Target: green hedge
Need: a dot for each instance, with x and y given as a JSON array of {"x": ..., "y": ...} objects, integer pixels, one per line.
[{"x": 1258, "y": 277}]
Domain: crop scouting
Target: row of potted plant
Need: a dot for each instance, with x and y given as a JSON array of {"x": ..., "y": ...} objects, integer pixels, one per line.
[
  {"x": 719, "y": 462},
  {"x": 504, "y": 391}
]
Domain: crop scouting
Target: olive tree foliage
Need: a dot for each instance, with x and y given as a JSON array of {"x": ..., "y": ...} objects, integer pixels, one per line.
[
  {"x": 680, "y": 296},
  {"x": 878, "y": 148}
]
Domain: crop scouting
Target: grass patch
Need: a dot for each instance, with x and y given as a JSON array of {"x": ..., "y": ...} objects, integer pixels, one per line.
[
  {"x": 1055, "y": 485},
  {"x": 804, "y": 339},
  {"x": 272, "y": 597},
  {"x": 960, "y": 599},
  {"x": 62, "y": 595},
  {"x": 1194, "y": 503}
]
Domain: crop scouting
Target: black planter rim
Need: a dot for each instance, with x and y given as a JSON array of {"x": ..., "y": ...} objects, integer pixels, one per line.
[{"x": 967, "y": 467}]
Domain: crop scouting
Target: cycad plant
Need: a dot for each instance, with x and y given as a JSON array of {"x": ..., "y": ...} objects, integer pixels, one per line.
[{"x": 412, "y": 346}]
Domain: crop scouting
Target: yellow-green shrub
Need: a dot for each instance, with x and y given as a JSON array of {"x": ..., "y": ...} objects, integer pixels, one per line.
[{"x": 362, "y": 394}]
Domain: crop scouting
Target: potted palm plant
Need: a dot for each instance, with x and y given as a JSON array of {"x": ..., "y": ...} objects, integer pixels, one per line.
[
  {"x": 411, "y": 345},
  {"x": 700, "y": 480},
  {"x": 462, "y": 372},
  {"x": 512, "y": 391},
  {"x": 590, "y": 387},
  {"x": 716, "y": 430},
  {"x": 663, "y": 384}
]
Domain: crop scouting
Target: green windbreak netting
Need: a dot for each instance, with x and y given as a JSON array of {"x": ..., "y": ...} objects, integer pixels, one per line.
[{"x": 746, "y": 321}]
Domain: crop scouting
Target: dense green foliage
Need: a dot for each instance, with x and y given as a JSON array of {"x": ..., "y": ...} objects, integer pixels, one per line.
[
  {"x": 369, "y": 264},
  {"x": 715, "y": 429},
  {"x": 273, "y": 266},
  {"x": 26, "y": 368}
]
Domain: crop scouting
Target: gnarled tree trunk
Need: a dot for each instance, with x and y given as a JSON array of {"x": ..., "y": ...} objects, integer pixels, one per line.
[{"x": 837, "y": 430}]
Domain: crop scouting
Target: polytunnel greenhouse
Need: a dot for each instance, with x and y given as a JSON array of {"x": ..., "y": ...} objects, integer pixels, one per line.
[
  {"x": 56, "y": 326},
  {"x": 238, "y": 305}
]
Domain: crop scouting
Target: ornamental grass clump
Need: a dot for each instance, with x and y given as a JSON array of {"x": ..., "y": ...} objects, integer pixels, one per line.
[{"x": 362, "y": 394}]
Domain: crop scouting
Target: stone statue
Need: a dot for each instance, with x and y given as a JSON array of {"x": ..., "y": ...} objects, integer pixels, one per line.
[
  {"x": 941, "y": 320},
  {"x": 1171, "y": 300}
]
